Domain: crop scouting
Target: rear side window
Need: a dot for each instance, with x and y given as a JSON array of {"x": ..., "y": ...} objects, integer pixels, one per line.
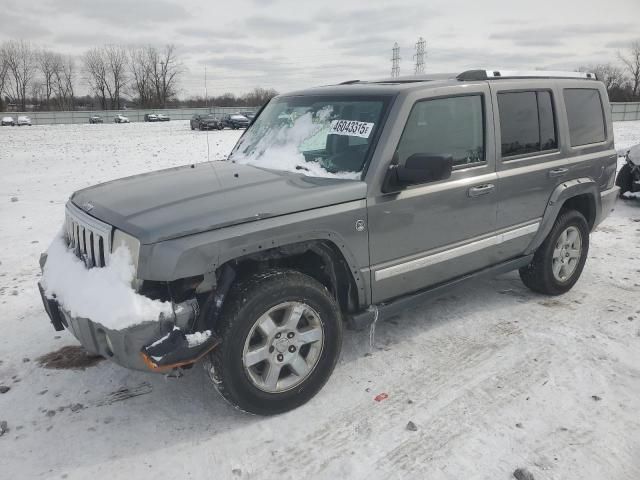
[
  {"x": 445, "y": 126},
  {"x": 585, "y": 115},
  {"x": 527, "y": 123}
]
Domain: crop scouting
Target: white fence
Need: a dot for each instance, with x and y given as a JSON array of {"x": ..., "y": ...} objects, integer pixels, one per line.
[
  {"x": 620, "y": 112},
  {"x": 52, "y": 118},
  {"x": 625, "y": 111}
]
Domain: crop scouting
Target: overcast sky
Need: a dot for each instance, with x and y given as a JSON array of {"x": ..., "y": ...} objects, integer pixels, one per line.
[{"x": 288, "y": 44}]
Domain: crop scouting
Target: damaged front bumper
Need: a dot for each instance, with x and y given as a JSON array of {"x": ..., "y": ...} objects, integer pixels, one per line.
[{"x": 159, "y": 345}]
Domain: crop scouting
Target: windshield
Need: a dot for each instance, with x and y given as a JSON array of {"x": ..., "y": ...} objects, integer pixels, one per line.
[{"x": 315, "y": 135}]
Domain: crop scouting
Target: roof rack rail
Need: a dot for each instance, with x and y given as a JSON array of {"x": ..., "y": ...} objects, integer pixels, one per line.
[
  {"x": 349, "y": 82},
  {"x": 495, "y": 74}
]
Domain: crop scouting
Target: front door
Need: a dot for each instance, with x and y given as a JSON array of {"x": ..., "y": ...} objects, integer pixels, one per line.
[{"x": 430, "y": 233}]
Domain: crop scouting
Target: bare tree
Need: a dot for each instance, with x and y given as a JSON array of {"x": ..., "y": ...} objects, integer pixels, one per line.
[
  {"x": 48, "y": 63},
  {"x": 64, "y": 82},
  {"x": 22, "y": 67},
  {"x": 4, "y": 70},
  {"x": 165, "y": 70},
  {"x": 141, "y": 75},
  {"x": 37, "y": 91},
  {"x": 95, "y": 67},
  {"x": 631, "y": 64},
  {"x": 116, "y": 78},
  {"x": 609, "y": 74}
]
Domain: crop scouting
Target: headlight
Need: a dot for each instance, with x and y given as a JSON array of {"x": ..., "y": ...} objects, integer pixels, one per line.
[{"x": 133, "y": 244}]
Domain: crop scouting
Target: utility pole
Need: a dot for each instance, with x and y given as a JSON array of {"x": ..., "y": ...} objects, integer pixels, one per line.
[
  {"x": 419, "y": 56},
  {"x": 395, "y": 61}
]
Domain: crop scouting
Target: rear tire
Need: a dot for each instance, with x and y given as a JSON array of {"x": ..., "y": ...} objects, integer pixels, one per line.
[
  {"x": 558, "y": 262},
  {"x": 263, "y": 364}
]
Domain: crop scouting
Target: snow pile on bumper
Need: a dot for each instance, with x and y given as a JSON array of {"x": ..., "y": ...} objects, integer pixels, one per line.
[{"x": 103, "y": 295}]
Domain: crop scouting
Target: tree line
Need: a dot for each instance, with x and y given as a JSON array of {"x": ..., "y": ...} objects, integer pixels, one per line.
[
  {"x": 115, "y": 76},
  {"x": 146, "y": 76},
  {"x": 622, "y": 77}
]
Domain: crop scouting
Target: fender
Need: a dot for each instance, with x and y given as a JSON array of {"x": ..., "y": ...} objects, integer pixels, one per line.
[
  {"x": 203, "y": 253},
  {"x": 559, "y": 196}
]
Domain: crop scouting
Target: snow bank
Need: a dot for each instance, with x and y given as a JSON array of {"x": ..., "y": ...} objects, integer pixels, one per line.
[
  {"x": 278, "y": 148},
  {"x": 103, "y": 295}
]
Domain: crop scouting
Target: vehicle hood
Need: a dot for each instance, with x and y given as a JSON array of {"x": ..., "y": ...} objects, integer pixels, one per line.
[{"x": 191, "y": 199}]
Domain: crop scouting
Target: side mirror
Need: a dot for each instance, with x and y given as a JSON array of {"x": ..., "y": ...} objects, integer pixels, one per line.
[{"x": 418, "y": 169}]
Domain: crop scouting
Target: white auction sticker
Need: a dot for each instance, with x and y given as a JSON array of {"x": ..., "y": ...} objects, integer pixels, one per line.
[{"x": 352, "y": 128}]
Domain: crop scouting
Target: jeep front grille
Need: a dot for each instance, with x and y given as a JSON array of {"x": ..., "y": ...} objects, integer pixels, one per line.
[{"x": 89, "y": 238}]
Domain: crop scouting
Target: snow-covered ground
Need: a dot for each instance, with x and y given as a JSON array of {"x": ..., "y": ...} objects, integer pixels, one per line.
[{"x": 493, "y": 376}]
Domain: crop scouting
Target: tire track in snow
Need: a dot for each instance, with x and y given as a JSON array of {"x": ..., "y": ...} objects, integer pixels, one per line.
[{"x": 373, "y": 427}]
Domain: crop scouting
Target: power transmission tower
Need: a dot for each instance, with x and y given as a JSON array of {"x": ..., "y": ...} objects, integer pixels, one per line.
[
  {"x": 419, "y": 56},
  {"x": 395, "y": 61}
]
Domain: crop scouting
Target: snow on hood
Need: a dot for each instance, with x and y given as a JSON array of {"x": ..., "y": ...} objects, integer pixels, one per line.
[
  {"x": 103, "y": 295},
  {"x": 278, "y": 150}
]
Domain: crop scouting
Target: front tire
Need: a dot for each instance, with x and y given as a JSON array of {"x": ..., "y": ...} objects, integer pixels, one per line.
[
  {"x": 558, "y": 262},
  {"x": 281, "y": 336}
]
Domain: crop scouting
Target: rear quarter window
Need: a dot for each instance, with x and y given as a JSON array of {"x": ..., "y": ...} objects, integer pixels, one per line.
[{"x": 585, "y": 116}]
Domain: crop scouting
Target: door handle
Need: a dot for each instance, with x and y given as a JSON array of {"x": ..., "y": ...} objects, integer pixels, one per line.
[
  {"x": 481, "y": 190},
  {"x": 558, "y": 172}
]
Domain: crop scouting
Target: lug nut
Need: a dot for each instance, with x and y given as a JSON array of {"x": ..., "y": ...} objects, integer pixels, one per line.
[
  {"x": 292, "y": 349},
  {"x": 290, "y": 335},
  {"x": 278, "y": 335},
  {"x": 280, "y": 357}
]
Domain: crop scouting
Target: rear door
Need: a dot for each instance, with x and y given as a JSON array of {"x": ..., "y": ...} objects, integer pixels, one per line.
[{"x": 530, "y": 160}]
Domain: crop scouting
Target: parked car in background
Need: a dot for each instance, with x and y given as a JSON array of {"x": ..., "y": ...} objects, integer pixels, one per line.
[
  {"x": 96, "y": 119},
  {"x": 249, "y": 115},
  {"x": 23, "y": 121},
  {"x": 8, "y": 121},
  {"x": 163, "y": 117},
  {"x": 150, "y": 117},
  {"x": 235, "y": 121},
  {"x": 206, "y": 122},
  {"x": 119, "y": 118}
]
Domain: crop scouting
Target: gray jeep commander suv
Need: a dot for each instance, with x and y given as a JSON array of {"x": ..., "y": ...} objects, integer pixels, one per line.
[{"x": 339, "y": 204}]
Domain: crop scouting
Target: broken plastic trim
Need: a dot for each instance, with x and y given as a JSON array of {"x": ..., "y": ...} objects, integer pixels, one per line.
[{"x": 173, "y": 351}]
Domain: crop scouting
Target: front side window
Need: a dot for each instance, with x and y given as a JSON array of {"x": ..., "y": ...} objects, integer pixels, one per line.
[
  {"x": 585, "y": 115},
  {"x": 451, "y": 126},
  {"x": 313, "y": 135},
  {"x": 527, "y": 122}
]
